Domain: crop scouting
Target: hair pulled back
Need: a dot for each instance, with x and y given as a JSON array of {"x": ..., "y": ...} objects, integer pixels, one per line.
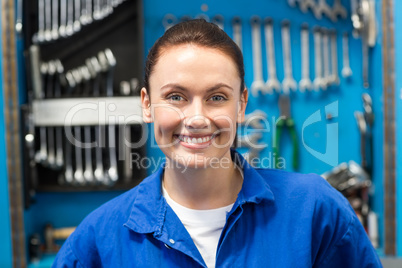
[{"x": 198, "y": 32}]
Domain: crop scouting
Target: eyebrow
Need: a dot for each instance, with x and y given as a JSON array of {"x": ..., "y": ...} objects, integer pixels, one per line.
[{"x": 181, "y": 88}]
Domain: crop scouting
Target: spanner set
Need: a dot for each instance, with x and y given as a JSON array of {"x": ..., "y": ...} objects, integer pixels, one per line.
[
  {"x": 63, "y": 18},
  {"x": 82, "y": 82}
]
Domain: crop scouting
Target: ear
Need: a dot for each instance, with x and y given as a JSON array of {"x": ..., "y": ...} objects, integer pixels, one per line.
[
  {"x": 243, "y": 104},
  {"x": 146, "y": 106}
]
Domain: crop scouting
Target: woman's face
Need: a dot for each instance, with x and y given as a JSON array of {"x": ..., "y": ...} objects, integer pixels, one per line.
[{"x": 194, "y": 102}]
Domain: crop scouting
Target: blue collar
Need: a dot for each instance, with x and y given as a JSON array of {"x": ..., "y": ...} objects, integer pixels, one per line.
[{"x": 149, "y": 208}]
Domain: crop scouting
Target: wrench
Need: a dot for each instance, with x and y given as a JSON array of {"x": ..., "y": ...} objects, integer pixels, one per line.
[
  {"x": 77, "y": 16},
  {"x": 78, "y": 174},
  {"x": 57, "y": 94},
  {"x": 48, "y": 20},
  {"x": 255, "y": 119},
  {"x": 305, "y": 5},
  {"x": 97, "y": 13},
  {"x": 334, "y": 59},
  {"x": 258, "y": 83},
  {"x": 292, "y": 3},
  {"x": 305, "y": 82},
  {"x": 107, "y": 8},
  {"x": 346, "y": 70},
  {"x": 51, "y": 159},
  {"x": 40, "y": 37},
  {"x": 108, "y": 62},
  {"x": 323, "y": 8},
  {"x": 41, "y": 155},
  {"x": 218, "y": 20},
  {"x": 272, "y": 82},
  {"x": 55, "y": 19},
  {"x": 125, "y": 136},
  {"x": 325, "y": 45},
  {"x": 237, "y": 36},
  {"x": 63, "y": 18},
  {"x": 168, "y": 21},
  {"x": 69, "y": 173},
  {"x": 339, "y": 10},
  {"x": 95, "y": 69},
  {"x": 288, "y": 82},
  {"x": 70, "y": 18},
  {"x": 318, "y": 82}
]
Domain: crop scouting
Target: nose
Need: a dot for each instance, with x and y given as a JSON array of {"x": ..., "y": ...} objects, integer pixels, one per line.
[{"x": 195, "y": 117}]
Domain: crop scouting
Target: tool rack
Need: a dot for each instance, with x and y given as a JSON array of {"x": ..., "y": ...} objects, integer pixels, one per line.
[{"x": 131, "y": 30}]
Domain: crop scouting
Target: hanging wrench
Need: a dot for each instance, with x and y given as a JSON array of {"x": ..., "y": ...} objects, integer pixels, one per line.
[
  {"x": 95, "y": 70},
  {"x": 237, "y": 36},
  {"x": 305, "y": 82},
  {"x": 86, "y": 10},
  {"x": 78, "y": 174},
  {"x": 97, "y": 12},
  {"x": 63, "y": 18},
  {"x": 334, "y": 59},
  {"x": 305, "y": 5},
  {"x": 40, "y": 36},
  {"x": 108, "y": 63},
  {"x": 318, "y": 82},
  {"x": 325, "y": 45},
  {"x": 77, "y": 15},
  {"x": 41, "y": 155},
  {"x": 339, "y": 10},
  {"x": 288, "y": 82},
  {"x": 57, "y": 94},
  {"x": 55, "y": 19},
  {"x": 323, "y": 8},
  {"x": 346, "y": 70},
  {"x": 258, "y": 83},
  {"x": 70, "y": 18},
  {"x": 218, "y": 20},
  {"x": 272, "y": 82},
  {"x": 107, "y": 8},
  {"x": 48, "y": 20},
  {"x": 125, "y": 138},
  {"x": 168, "y": 21},
  {"x": 292, "y": 3},
  {"x": 51, "y": 158}
]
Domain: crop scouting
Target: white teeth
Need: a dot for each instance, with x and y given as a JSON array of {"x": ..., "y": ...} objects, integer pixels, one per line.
[
  {"x": 199, "y": 140},
  {"x": 204, "y": 139},
  {"x": 194, "y": 140}
]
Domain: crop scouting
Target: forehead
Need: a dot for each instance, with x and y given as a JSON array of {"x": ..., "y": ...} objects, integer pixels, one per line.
[{"x": 194, "y": 64}]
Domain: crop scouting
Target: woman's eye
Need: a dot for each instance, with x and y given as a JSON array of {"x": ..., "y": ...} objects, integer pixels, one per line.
[
  {"x": 175, "y": 98},
  {"x": 218, "y": 98}
]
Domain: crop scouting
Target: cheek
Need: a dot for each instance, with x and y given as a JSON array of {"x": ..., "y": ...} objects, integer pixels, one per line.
[{"x": 166, "y": 120}]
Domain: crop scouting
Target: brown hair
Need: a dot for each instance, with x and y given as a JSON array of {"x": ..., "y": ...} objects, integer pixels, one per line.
[{"x": 199, "y": 32}]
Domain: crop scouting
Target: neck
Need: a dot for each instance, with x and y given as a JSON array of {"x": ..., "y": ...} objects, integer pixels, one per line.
[{"x": 203, "y": 188}]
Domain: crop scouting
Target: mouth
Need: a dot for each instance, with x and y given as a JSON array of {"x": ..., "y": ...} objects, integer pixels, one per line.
[{"x": 196, "y": 141}]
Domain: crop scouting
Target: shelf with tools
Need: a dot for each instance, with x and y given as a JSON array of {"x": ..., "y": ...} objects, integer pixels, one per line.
[{"x": 84, "y": 60}]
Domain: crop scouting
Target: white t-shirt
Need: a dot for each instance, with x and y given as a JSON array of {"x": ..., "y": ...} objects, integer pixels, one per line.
[{"x": 204, "y": 226}]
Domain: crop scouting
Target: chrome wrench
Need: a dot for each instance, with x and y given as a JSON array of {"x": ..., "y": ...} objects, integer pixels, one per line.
[
  {"x": 258, "y": 83},
  {"x": 346, "y": 70},
  {"x": 125, "y": 138},
  {"x": 237, "y": 35},
  {"x": 55, "y": 19},
  {"x": 325, "y": 45},
  {"x": 57, "y": 94},
  {"x": 323, "y": 8},
  {"x": 305, "y": 5},
  {"x": 77, "y": 16},
  {"x": 272, "y": 82},
  {"x": 218, "y": 20},
  {"x": 51, "y": 157},
  {"x": 305, "y": 82},
  {"x": 86, "y": 11},
  {"x": 48, "y": 20},
  {"x": 63, "y": 18},
  {"x": 41, "y": 21},
  {"x": 339, "y": 10},
  {"x": 41, "y": 156},
  {"x": 334, "y": 59},
  {"x": 318, "y": 81},
  {"x": 78, "y": 174},
  {"x": 95, "y": 70},
  {"x": 108, "y": 63},
  {"x": 288, "y": 82},
  {"x": 70, "y": 18}
]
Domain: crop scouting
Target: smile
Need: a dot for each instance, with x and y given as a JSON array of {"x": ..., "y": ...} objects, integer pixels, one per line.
[{"x": 195, "y": 140}]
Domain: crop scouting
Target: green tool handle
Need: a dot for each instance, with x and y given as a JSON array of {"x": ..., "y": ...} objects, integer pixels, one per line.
[{"x": 289, "y": 123}]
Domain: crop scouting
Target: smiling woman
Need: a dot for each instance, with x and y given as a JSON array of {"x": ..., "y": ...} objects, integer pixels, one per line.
[{"x": 206, "y": 206}]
